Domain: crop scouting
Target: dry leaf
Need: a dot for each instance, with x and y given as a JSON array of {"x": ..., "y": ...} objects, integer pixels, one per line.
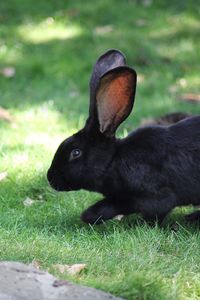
[
  {"x": 76, "y": 268},
  {"x": 35, "y": 263},
  {"x": 141, "y": 22},
  {"x": 73, "y": 12},
  {"x": 8, "y": 72},
  {"x": 101, "y": 30},
  {"x": 147, "y": 3},
  {"x": 28, "y": 201},
  {"x": 5, "y": 115},
  {"x": 3, "y": 176},
  {"x": 69, "y": 269},
  {"x": 190, "y": 97},
  {"x": 118, "y": 217},
  {"x": 147, "y": 122},
  {"x": 173, "y": 88}
]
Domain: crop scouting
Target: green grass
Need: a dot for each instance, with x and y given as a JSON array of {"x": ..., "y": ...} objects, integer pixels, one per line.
[{"x": 52, "y": 46}]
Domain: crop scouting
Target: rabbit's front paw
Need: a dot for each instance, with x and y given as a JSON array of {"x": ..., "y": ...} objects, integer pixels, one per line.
[{"x": 99, "y": 212}]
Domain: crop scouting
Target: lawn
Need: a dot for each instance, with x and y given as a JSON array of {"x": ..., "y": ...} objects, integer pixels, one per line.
[{"x": 51, "y": 46}]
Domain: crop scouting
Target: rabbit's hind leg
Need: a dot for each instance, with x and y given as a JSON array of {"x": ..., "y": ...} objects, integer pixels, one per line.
[
  {"x": 156, "y": 209},
  {"x": 193, "y": 217}
]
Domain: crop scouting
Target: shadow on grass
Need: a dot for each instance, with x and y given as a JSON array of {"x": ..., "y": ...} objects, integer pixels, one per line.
[{"x": 59, "y": 213}]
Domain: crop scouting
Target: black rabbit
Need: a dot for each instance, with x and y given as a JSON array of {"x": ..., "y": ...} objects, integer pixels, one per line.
[{"x": 153, "y": 170}]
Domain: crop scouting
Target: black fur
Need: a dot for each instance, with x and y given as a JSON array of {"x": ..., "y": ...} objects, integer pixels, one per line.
[{"x": 153, "y": 170}]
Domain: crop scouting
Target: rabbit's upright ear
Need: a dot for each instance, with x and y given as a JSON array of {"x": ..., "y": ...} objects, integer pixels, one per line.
[
  {"x": 109, "y": 60},
  {"x": 115, "y": 98}
]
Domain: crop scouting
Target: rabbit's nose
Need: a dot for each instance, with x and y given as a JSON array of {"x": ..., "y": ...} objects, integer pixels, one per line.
[{"x": 56, "y": 180}]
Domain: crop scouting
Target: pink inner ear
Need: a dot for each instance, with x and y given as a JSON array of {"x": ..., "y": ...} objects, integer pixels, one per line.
[{"x": 114, "y": 97}]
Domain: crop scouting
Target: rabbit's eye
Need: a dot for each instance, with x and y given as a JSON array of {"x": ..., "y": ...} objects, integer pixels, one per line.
[{"x": 75, "y": 154}]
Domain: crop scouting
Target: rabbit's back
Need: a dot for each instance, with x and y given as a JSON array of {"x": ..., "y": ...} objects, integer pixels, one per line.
[
  {"x": 157, "y": 157},
  {"x": 183, "y": 161},
  {"x": 186, "y": 131}
]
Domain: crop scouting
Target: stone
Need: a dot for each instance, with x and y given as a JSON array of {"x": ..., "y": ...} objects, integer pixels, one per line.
[{"x": 24, "y": 282}]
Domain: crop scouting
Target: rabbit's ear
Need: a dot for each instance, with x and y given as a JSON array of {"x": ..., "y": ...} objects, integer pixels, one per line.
[
  {"x": 114, "y": 98},
  {"x": 109, "y": 60}
]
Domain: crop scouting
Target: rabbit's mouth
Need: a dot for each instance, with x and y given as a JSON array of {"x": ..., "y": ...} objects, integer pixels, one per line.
[{"x": 56, "y": 181}]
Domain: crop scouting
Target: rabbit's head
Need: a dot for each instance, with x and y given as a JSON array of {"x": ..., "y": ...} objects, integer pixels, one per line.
[{"x": 82, "y": 160}]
